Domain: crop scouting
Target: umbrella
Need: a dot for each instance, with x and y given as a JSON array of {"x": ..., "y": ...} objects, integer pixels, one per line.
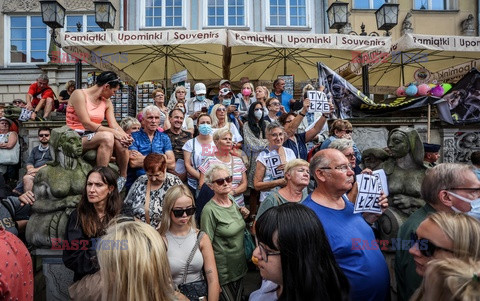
[
  {"x": 264, "y": 56},
  {"x": 430, "y": 57},
  {"x": 139, "y": 56}
]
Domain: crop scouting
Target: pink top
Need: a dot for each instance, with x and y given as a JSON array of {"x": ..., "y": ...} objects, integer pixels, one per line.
[{"x": 95, "y": 112}]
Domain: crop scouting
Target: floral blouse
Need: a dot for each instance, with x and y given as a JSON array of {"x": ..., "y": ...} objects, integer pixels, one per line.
[{"x": 136, "y": 198}]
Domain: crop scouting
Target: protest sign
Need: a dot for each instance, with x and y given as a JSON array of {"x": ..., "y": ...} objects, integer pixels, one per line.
[
  {"x": 273, "y": 162},
  {"x": 370, "y": 188},
  {"x": 318, "y": 102}
]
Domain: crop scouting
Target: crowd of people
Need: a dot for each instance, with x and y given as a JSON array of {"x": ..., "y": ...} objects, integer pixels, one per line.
[{"x": 197, "y": 179}]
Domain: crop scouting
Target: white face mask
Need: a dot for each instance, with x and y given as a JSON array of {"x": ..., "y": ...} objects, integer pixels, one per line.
[{"x": 475, "y": 204}]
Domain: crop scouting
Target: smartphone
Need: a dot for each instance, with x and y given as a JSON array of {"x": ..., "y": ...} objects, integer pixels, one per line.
[
  {"x": 236, "y": 106},
  {"x": 204, "y": 109}
]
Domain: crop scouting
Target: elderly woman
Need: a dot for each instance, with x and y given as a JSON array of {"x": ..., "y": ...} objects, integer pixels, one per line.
[
  {"x": 297, "y": 176},
  {"x": 99, "y": 204},
  {"x": 9, "y": 146},
  {"x": 180, "y": 95},
  {"x": 223, "y": 222},
  {"x": 220, "y": 120},
  {"x": 271, "y": 162},
  {"x": 130, "y": 125},
  {"x": 298, "y": 142},
  {"x": 274, "y": 107},
  {"x": 223, "y": 141},
  {"x": 158, "y": 96},
  {"x": 180, "y": 233},
  {"x": 146, "y": 195},
  {"x": 341, "y": 129},
  {"x": 444, "y": 235}
]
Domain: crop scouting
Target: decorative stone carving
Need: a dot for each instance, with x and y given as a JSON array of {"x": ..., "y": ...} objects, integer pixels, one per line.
[
  {"x": 468, "y": 26},
  {"x": 79, "y": 5},
  {"x": 466, "y": 143},
  {"x": 20, "y": 5},
  {"x": 407, "y": 24},
  {"x": 370, "y": 137}
]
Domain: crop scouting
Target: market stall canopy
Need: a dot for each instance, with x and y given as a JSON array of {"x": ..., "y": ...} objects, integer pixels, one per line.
[
  {"x": 264, "y": 56},
  {"x": 420, "y": 58},
  {"x": 139, "y": 56}
]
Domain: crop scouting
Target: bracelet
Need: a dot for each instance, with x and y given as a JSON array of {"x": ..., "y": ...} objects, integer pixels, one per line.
[
  {"x": 302, "y": 114},
  {"x": 98, "y": 128},
  {"x": 325, "y": 115}
]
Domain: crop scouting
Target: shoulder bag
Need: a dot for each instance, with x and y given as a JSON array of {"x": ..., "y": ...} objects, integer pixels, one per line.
[
  {"x": 196, "y": 289},
  {"x": 10, "y": 156}
]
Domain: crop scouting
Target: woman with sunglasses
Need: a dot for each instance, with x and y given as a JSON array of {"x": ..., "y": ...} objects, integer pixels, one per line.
[
  {"x": 145, "y": 197},
  {"x": 444, "y": 235},
  {"x": 341, "y": 129},
  {"x": 298, "y": 142},
  {"x": 294, "y": 256},
  {"x": 274, "y": 108},
  {"x": 86, "y": 110},
  {"x": 179, "y": 230},
  {"x": 223, "y": 221},
  {"x": 220, "y": 120}
]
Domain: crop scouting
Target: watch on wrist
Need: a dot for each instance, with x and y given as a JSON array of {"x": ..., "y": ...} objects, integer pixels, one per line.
[{"x": 302, "y": 114}]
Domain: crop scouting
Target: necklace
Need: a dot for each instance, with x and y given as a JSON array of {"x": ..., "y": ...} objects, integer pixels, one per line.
[{"x": 180, "y": 241}]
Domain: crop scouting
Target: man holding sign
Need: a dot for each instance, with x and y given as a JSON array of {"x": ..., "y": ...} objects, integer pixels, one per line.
[{"x": 364, "y": 266}]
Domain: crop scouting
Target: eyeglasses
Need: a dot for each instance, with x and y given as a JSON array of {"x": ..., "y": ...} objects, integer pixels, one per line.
[
  {"x": 223, "y": 180},
  {"x": 159, "y": 95},
  {"x": 274, "y": 103},
  {"x": 347, "y": 131},
  {"x": 343, "y": 168},
  {"x": 350, "y": 156},
  {"x": 464, "y": 188},
  {"x": 429, "y": 249},
  {"x": 44, "y": 135},
  {"x": 264, "y": 253},
  {"x": 221, "y": 109},
  {"x": 180, "y": 212}
]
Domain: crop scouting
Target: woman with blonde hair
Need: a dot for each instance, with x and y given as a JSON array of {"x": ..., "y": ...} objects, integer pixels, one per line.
[
  {"x": 180, "y": 94},
  {"x": 452, "y": 279},
  {"x": 261, "y": 95},
  {"x": 220, "y": 120},
  {"x": 248, "y": 97},
  {"x": 135, "y": 267},
  {"x": 130, "y": 124},
  {"x": 179, "y": 231},
  {"x": 444, "y": 235}
]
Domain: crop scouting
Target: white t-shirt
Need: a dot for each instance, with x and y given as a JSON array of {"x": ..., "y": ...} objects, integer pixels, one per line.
[
  {"x": 268, "y": 177},
  {"x": 236, "y": 135},
  {"x": 197, "y": 158}
]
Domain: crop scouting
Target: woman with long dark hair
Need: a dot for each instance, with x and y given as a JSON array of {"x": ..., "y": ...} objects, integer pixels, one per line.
[
  {"x": 100, "y": 203},
  {"x": 293, "y": 252}
]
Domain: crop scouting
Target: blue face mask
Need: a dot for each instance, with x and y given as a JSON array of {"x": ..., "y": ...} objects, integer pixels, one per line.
[
  {"x": 200, "y": 97},
  {"x": 205, "y": 129},
  {"x": 475, "y": 204},
  {"x": 227, "y": 101}
]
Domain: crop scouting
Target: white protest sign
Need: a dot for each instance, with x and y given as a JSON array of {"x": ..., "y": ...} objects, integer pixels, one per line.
[
  {"x": 370, "y": 188},
  {"x": 273, "y": 162},
  {"x": 318, "y": 102}
]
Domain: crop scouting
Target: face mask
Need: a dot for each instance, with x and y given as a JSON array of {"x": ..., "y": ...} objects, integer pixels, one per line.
[
  {"x": 200, "y": 97},
  {"x": 246, "y": 92},
  {"x": 227, "y": 101},
  {"x": 182, "y": 109},
  {"x": 205, "y": 129},
  {"x": 258, "y": 114},
  {"x": 475, "y": 204}
]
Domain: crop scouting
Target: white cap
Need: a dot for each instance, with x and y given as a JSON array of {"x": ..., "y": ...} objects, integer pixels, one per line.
[{"x": 200, "y": 88}]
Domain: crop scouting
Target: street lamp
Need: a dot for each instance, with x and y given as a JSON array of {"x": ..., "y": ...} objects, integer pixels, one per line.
[
  {"x": 337, "y": 14},
  {"x": 53, "y": 15},
  {"x": 387, "y": 16},
  {"x": 105, "y": 14}
]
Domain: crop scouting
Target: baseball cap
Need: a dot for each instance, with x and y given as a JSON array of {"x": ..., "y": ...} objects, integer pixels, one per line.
[
  {"x": 224, "y": 81},
  {"x": 7, "y": 120},
  {"x": 225, "y": 92},
  {"x": 200, "y": 88}
]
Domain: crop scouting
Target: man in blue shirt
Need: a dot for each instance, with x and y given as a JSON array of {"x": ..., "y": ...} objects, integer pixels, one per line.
[
  {"x": 148, "y": 140},
  {"x": 279, "y": 93},
  {"x": 350, "y": 236}
]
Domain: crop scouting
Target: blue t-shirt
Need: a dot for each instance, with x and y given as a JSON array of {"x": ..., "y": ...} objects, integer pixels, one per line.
[
  {"x": 284, "y": 98},
  {"x": 364, "y": 265},
  {"x": 299, "y": 148},
  {"x": 160, "y": 145}
]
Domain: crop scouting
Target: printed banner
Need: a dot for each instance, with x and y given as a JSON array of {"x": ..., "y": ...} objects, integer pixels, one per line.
[
  {"x": 464, "y": 98},
  {"x": 434, "y": 42}
]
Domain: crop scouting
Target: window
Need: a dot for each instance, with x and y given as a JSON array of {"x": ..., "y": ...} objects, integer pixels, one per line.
[
  {"x": 287, "y": 13},
  {"x": 72, "y": 20},
  {"x": 163, "y": 13},
  {"x": 368, "y": 4},
  {"x": 226, "y": 13},
  {"x": 435, "y": 4},
  {"x": 28, "y": 39}
]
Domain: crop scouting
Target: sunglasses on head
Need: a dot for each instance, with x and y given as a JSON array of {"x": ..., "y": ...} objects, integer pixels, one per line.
[
  {"x": 223, "y": 180},
  {"x": 180, "y": 212},
  {"x": 426, "y": 247}
]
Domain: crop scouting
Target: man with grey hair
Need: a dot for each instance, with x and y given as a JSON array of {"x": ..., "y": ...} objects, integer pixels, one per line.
[
  {"x": 447, "y": 187},
  {"x": 40, "y": 96},
  {"x": 349, "y": 234},
  {"x": 148, "y": 140}
]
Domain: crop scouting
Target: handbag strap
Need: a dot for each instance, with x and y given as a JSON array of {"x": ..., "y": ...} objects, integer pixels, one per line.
[
  {"x": 193, "y": 154},
  {"x": 147, "y": 203},
  {"x": 190, "y": 257}
]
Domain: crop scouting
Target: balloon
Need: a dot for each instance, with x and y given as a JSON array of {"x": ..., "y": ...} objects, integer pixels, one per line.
[
  {"x": 446, "y": 87},
  {"x": 432, "y": 86},
  {"x": 423, "y": 89},
  {"x": 437, "y": 91},
  {"x": 411, "y": 90},
  {"x": 401, "y": 91}
]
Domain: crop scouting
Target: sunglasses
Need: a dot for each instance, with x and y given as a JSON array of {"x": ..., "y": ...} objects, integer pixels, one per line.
[
  {"x": 221, "y": 109},
  {"x": 425, "y": 246},
  {"x": 180, "y": 212},
  {"x": 44, "y": 135},
  {"x": 223, "y": 180},
  {"x": 348, "y": 131}
]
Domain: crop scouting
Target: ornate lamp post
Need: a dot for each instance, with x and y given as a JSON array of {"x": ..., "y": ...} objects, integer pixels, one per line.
[
  {"x": 337, "y": 14},
  {"x": 105, "y": 14},
  {"x": 53, "y": 15},
  {"x": 387, "y": 17}
]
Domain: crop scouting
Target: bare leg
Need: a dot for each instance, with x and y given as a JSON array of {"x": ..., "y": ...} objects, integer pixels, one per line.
[
  {"x": 103, "y": 143},
  {"x": 122, "y": 155},
  {"x": 40, "y": 104},
  {"x": 48, "y": 107}
]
